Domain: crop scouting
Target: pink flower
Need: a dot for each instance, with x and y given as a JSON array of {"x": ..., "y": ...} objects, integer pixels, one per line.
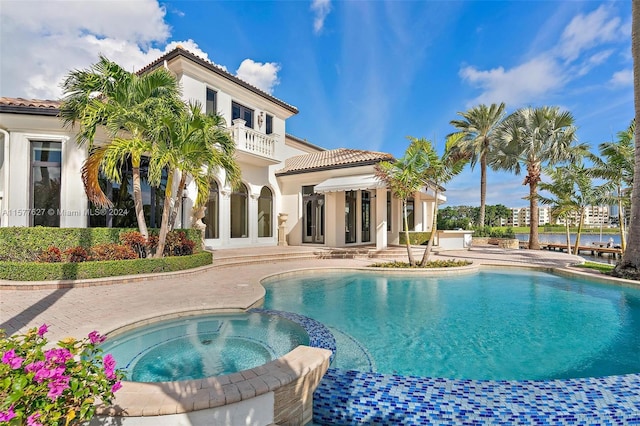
[
  {"x": 42, "y": 330},
  {"x": 5, "y": 416},
  {"x": 31, "y": 420},
  {"x": 94, "y": 337},
  {"x": 34, "y": 366},
  {"x": 109, "y": 366},
  {"x": 116, "y": 387},
  {"x": 58, "y": 356},
  {"x": 57, "y": 387},
  {"x": 43, "y": 373},
  {"x": 10, "y": 358}
]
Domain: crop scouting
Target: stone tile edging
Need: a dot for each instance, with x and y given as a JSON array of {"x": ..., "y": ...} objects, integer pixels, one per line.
[{"x": 137, "y": 399}]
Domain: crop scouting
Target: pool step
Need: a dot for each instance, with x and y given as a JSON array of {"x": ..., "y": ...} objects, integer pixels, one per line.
[{"x": 235, "y": 257}]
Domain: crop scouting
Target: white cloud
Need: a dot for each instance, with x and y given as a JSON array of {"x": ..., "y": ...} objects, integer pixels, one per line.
[
  {"x": 587, "y": 31},
  {"x": 521, "y": 84},
  {"x": 262, "y": 75},
  {"x": 580, "y": 49},
  {"x": 46, "y": 39},
  {"x": 321, "y": 9},
  {"x": 622, "y": 78}
]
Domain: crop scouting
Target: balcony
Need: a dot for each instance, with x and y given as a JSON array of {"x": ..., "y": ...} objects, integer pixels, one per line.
[{"x": 253, "y": 146}]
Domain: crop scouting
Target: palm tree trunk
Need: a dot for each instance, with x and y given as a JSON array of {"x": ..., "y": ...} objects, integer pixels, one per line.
[
  {"x": 621, "y": 225},
  {"x": 629, "y": 267},
  {"x": 534, "y": 244},
  {"x": 580, "y": 223},
  {"x": 567, "y": 228},
  {"x": 434, "y": 229},
  {"x": 178, "y": 202},
  {"x": 164, "y": 223},
  {"x": 483, "y": 188},
  {"x": 137, "y": 197},
  {"x": 406, "y": 233}
]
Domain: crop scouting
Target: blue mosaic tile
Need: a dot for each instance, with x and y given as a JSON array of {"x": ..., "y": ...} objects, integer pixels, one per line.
[{"x": 346, "y": 397}]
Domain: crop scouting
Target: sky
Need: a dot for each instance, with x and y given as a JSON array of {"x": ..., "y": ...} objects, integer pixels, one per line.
[{"x": 364, "y": 74}]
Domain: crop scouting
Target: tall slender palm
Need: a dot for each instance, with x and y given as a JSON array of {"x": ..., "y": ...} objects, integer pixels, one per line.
[
  {"x": 123, "y": 103},
  {"x": 191, "y": 144},
  {"x": 531, "y": 138},
  {"x": 479, "y": 126},
  {"x": 629, "y": 266},
  {"x": 404, "y": 177},
  {"x": 615, "y": 165},
  {"x": 438, "y": 171}
]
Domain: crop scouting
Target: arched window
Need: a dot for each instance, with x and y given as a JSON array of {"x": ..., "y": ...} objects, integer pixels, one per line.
[
  {"x": 212, "y": 214},
  {"x": 265, "y": 213},
  {"x": 239, "y": 216}
]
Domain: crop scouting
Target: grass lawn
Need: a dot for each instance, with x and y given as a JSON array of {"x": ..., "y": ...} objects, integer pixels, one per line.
[{"x": 602, "y": 267}]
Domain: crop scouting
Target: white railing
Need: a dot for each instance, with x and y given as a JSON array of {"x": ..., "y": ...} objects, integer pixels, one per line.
[{"x": 252, "y": 141}]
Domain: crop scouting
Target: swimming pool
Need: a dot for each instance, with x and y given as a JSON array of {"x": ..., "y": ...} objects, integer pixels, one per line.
[
  {"x": 490, "y": 325},
  {"x": 196, "y": 347}
]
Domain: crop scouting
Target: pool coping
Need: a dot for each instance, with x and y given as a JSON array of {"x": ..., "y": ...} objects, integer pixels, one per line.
[{"x": 139, "y": 399}]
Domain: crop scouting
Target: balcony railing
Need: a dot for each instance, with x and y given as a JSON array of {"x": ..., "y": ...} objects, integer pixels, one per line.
[{"x": 252, "y": 141}]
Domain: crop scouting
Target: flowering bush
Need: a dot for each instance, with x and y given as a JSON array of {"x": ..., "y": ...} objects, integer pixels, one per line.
[{"x": 56, "y": 386}]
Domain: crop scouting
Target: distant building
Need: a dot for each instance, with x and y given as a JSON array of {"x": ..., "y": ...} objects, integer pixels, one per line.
[
  {"x": 593, "y": 216},
  {"x": 521, "y": 216}
]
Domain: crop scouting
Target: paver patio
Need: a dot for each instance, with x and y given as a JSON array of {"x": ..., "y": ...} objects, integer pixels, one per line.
[{"x": 107, "y": 307}]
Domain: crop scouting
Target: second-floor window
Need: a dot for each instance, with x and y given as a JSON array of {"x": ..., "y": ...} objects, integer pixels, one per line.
[
  {"x": 241, "y": 111},
  {"x": 211, "y": 106},
  {"x": 268, "y": 129}
]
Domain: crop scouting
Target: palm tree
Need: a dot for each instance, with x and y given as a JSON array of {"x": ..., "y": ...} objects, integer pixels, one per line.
[
  {"x": 404, "y": 177},
  {"x": 438, "y": 171},
  {"x": 123, "y": 103},
  {"x": 479, "y": 127},
  {"x": 191, "y": 144},
  {"x": 561, "y": 199},
  {"x": 629, "y": 266},
  {"x": 615, "y": 164},
  {"x": 531, "y": 138}
]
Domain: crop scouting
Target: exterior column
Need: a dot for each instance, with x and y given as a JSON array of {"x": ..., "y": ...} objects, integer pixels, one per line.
[
  {"x": 225, "y": 217},
  {"x": 381, "y": 218},
  {"x": 253, "y": 217},
  {"x": 282, "y": 232}
]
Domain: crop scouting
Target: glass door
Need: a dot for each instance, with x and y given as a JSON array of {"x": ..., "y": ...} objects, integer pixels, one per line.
[{"x": 313, "y": 208}]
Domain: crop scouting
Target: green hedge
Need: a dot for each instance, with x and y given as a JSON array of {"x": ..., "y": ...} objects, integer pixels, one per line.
[
  {"x": 20, "y": 244},
  {"x": 32, "y": 271},
  {"x": 415, "y": 238}
]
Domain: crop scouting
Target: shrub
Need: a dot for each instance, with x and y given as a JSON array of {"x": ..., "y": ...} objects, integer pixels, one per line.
[
  {"x": 31, "y": 271},
  {"x": 136, "y": 241},
  {"x": 53, "y": 386},
  {"x": 112, "y": 252},
  {"x": 76, "y": 254},
  {"x": 431, "y": 264},
  {"x": 51, "y": 254},
  {"x": 482, "y": 231},
  {"x": 25, "y": 244}
]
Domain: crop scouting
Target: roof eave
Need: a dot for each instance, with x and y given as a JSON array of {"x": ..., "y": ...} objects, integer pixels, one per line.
[
  {"x": 331, "y": 167},
  {"x": 179, "y": 52}
]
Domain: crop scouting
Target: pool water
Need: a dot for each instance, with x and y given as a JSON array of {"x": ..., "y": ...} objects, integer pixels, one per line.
[
  {"x": 203, "y": 346},
  {"x": 488, "y": 325}
]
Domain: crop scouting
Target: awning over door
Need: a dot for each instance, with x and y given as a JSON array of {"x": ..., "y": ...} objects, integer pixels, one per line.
[{"x": 349, "y": 183}]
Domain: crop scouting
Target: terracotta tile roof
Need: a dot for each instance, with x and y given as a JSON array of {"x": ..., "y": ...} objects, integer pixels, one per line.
[
  {"x": 332, "y": 159},
  {"x": 179, "y": 51},
  {"x": 29, "y": 106}
]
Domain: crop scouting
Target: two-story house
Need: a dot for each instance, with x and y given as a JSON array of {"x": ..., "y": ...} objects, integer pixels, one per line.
[{"x": 315, "y": 196}]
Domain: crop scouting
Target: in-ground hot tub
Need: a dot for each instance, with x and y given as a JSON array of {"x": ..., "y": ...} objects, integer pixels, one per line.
[
  {"x": 196, "y": 347},
  {"x": 197, "y": 370}
]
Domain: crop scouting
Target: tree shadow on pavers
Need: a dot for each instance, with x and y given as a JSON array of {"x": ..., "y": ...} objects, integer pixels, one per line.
[{"x": 15, "y": 323}]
